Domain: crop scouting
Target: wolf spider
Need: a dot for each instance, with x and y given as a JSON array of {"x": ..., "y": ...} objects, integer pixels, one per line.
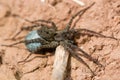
[{"x": 49, "y": 37}]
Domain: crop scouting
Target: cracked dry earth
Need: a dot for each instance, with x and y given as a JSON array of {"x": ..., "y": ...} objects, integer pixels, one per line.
[{"x": 103, "y": 17}]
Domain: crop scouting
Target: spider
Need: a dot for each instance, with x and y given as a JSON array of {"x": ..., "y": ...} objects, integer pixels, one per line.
[{"x": 49, "y": 37}]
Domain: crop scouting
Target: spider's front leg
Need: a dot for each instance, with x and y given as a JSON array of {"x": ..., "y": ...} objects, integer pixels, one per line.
[{"x": 79, "y": 13}]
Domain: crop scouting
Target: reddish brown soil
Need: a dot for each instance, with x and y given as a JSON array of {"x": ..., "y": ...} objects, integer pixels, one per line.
[{"x": 103, "y": 17}]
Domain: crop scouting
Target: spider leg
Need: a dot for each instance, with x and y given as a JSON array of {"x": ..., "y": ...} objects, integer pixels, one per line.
[
  {"x": 36, "y": 21},
  {"x": 25, "y": 60},
  {"x": 75, "y": 55},
  {"x": 52, "y": 44},
  {"x": 86, "y": 55},
  {"x": 27, "y": 28},
  {"x": 40, "y": 40},
  {"x": 23, "y": 41},
  {"x": 80, "y": 13},
  {"x": 81, "y": 60},
  {"x": 36, "y": 24},
  {"x": 92, "y": 33},
  {"x": 43, "y": 56},
  {"x": 46, "y": 21}
]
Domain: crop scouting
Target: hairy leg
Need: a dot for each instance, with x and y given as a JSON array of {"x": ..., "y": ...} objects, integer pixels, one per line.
[
  {"x": 41, "y": 56},
  {"x": 92, "y": 33},
  {"x": 76, "y": 55},
  {"x": 40, "y": 40},
  {"x": 80, "y": 13},
  {"x": 86, "y": 55},
  {"x": 46, "y": 21},
  {"x": 35, "y": 23},
  {"x": 52, "y": 44}
]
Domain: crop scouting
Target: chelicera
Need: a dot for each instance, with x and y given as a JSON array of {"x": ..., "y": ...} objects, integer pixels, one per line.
[{"x": 49, "y": 37}]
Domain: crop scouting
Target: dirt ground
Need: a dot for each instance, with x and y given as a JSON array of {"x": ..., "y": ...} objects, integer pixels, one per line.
[{"x": 103, "y": 17}]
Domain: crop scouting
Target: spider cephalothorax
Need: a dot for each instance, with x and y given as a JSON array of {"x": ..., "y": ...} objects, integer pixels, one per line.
[{"x": 49, "y": 37}]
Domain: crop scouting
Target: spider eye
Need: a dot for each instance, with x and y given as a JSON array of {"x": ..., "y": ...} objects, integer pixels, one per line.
[{"x": 48, "y": 32}]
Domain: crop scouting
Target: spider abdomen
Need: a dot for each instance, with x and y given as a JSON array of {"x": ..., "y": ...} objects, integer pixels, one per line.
[{"x": 32, "y": 47}]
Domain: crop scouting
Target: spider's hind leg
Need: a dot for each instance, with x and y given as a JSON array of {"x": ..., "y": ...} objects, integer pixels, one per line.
[
  {"x": 46, "y": 21},
  {"x": 40, "y": 40},
  {"x": 27, "y": 28},
  {"x": 10, "y": 45},
  {"x": 36, "y": 23}
]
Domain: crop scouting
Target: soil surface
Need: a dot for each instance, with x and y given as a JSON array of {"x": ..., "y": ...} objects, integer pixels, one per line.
[{"x": 103, "y": 18}]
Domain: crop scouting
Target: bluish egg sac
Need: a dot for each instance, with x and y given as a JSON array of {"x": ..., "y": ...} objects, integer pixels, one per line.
[{"x": 32, "y": 47}]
